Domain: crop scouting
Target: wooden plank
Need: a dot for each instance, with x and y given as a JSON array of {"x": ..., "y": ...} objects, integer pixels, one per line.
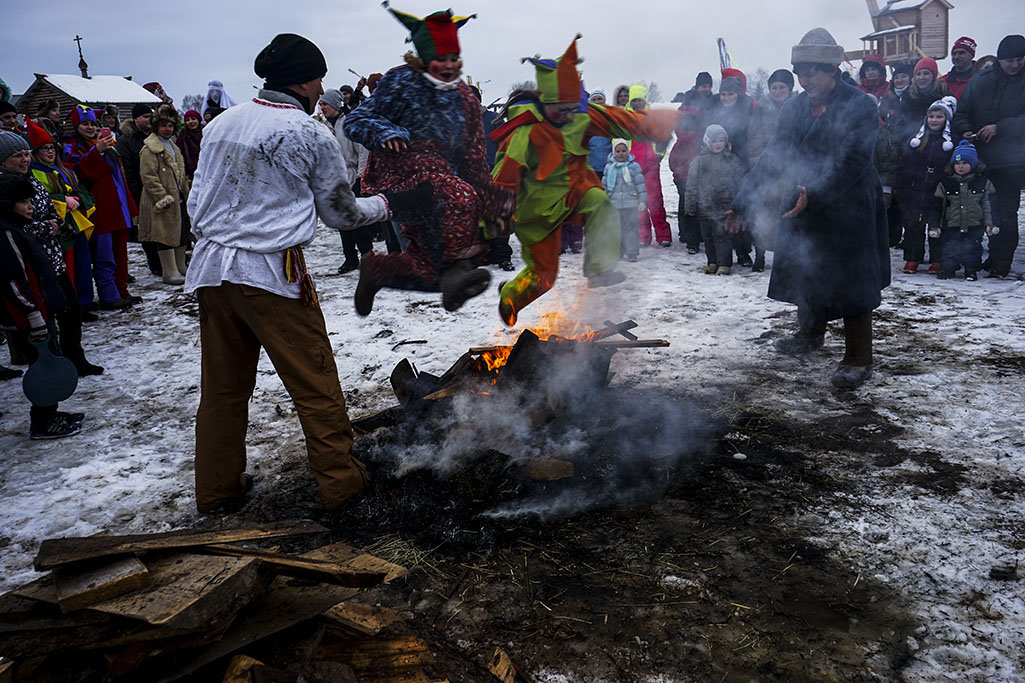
[
  {"x": 380, "y": 658},
  {"x": 78, "y": 588},
  {"x": 316, "y": 570},
  {"x": 478, "y": 350},
  {"x": 55, "y": 552},
  {"x": 365, "y": 620},
  {"x": 188, "y": 591},
  {"x": 370, "y": 563},
  {"x": 33, "y": 628},
  {"x": 616, "y": 328},
  {"x": 505, "y": 668},
  {"x": 548, "y": 469},
  {"x": 450, "y": 390},
  {"x": 20, "y": 613},
  {"x": 382, "y": 418},
  {"x": 239, "y": 669},
  {"x": 284, "y": 606},
  {"x": 639, "y": 344},
  {"x": 501, "y": 667},
  {"x": 287, "y": 605}
]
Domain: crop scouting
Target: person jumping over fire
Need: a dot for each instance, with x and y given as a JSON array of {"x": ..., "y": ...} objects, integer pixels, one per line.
[
  {"x": 423, "y": 124},
  {"x": 542, "y": 157}
]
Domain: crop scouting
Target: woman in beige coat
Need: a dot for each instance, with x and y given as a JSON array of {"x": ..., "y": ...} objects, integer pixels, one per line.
[{"x": 164, "y": 189}]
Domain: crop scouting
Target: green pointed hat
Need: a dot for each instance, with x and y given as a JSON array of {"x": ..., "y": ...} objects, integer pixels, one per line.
[
  {"x": 434, "y": 35},
  {"x": 557, "y": 79}
]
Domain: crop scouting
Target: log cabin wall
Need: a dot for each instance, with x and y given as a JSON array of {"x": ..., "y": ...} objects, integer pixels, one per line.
[
  {"x": 41, "y": 90},
  {"x": 935, "y": 38}
]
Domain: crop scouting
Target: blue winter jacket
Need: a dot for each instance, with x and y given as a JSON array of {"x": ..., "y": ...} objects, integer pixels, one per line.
[
  {"x": 624, "y": 194},
  {"x": 601, "y": 148}
]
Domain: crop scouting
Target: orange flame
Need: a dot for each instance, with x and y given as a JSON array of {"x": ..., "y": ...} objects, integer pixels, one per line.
[
  {"x": 496, "y": 358},
  {"x": 554, "y": 325}
]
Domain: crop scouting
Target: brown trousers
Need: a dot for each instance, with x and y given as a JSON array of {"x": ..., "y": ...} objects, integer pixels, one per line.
[{"x": 235, "y": 321}]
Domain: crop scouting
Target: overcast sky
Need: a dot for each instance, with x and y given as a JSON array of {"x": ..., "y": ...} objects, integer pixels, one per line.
[{"x": 186, "y": 43}]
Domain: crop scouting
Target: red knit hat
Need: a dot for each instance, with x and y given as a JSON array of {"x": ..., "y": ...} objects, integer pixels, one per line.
[
  {"x": 965, "y": 43},
  {"x": 727, "y": 73},
  {"x": 928, "y": 63},
  {"x": 37, "y": 135}
]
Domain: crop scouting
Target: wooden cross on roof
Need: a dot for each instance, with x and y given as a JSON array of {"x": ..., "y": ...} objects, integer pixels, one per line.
[{"x": 82, "y": 66}]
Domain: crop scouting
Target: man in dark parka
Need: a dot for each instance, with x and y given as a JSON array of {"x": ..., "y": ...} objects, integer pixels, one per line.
[{"x": 831, "y": 255}]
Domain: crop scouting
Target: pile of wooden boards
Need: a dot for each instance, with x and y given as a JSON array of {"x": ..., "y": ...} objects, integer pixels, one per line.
[{"x": 195, "y": 605}]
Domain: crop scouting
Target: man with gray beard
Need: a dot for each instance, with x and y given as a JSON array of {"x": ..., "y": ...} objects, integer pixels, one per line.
[{"x": 831, "y": 255}]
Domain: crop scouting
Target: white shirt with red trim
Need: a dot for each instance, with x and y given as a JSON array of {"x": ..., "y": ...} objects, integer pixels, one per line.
[{"x": 266, "y": 172}]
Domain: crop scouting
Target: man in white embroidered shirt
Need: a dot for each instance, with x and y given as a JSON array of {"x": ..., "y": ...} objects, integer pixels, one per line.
[{"x": 267, "y": 172}]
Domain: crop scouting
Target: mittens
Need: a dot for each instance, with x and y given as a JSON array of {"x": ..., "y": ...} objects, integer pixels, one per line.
[{"x": 164, "y": 203}]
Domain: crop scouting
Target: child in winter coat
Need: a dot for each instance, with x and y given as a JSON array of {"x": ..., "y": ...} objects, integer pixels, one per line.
[
  {"x": 919, "y": 169},
  {"x": 963, "y": 211},
  {"x": 624, "y": 182},
  {"x": 649, "y": 157},
  {"x": 712, "y": 182},
  {"x": 30, "y": 292}
]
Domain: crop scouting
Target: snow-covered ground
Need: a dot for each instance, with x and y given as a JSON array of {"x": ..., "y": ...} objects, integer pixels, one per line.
[{"x": 130, "y": 470}]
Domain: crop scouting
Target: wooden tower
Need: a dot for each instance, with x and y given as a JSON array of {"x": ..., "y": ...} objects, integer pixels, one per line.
[{"x": 907, "y": 30}]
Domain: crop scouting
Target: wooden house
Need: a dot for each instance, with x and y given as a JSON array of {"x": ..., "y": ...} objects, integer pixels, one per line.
[
  {"x": 95, "y": 91},
  {"x": 907, "y": 30}
]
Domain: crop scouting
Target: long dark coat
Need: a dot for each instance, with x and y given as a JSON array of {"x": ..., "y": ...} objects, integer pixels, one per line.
[{"x": 831, "y": 260}]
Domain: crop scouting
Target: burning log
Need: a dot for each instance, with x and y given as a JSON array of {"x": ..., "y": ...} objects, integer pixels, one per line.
[
  {"x": 634, "y": 343},
  {"x": 509, "y": 428}
]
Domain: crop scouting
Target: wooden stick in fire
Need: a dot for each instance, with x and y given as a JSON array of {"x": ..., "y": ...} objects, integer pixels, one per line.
[{"x": 628, "y": 344}]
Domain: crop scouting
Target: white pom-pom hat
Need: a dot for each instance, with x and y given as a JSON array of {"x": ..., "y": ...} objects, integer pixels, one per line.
[{"x": 948, "y": 105}]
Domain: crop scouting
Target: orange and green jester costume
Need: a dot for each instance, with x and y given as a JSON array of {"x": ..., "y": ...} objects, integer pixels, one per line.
[{"x": 545, "y": 164}]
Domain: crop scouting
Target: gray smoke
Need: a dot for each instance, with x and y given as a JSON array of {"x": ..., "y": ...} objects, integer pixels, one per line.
[{"x": 626, "y": 446}]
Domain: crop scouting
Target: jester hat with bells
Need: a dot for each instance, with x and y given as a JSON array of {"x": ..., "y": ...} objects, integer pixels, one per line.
[
  {"x": 434, "y": 35},
  {"x": 557, "y": 79}
]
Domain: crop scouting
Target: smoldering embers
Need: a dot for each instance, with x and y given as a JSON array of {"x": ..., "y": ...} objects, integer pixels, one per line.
[{"x": 627, "y": 448}]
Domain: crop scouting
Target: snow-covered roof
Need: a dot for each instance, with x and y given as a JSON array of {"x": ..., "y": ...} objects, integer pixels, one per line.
[
  {"x": 901, "y": 5},
  {"x": 889, "y": 31},
  {"x": 107, "y": 89}
]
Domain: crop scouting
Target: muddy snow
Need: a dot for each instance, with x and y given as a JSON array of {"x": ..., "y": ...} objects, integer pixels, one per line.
[{"x": 824, "y": 534}]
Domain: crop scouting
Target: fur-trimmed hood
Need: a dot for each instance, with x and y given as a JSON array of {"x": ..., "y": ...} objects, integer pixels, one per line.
[
  {"x": 128, "y": 127},
  {"x": 153, "y": 144}
]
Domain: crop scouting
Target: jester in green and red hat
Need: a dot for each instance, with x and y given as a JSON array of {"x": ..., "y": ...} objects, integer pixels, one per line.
[
  {"x": 423, "y": 126},
  {"x": 542, "y": 157}
]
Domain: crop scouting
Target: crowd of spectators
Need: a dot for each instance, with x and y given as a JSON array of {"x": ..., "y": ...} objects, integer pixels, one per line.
[{"x": 944, "y": 142}]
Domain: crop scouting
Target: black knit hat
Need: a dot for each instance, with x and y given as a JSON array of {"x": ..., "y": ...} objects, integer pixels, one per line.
[
  {"x": 141, "y": 109},
  {"x": 13, "y": 188},
  {"x": 6, "y": 107},
  {"x": 783, "y": 76},
  {"x": 907, "y": 69},
  {"x": 289, "y": 60},
  {"x": 704, "y": 78},
  {"x": 1011, "y": 47}
]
